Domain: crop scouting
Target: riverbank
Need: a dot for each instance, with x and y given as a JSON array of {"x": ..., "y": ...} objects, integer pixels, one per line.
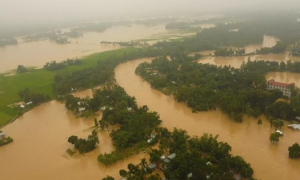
[{"x": 40, "y": 81}]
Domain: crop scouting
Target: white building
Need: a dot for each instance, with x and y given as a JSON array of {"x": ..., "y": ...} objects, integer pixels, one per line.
[
  {"x": 2, "y": 135},
  {"x": 283, "y": 87}
]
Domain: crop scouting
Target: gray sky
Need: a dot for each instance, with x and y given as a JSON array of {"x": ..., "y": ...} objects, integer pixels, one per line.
[{"x": 49, "y": 11}]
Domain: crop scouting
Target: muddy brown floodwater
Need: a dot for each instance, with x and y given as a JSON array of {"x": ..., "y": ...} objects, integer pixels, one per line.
[
  {"x": 270, "y": 161},
  {"x": 40, "y": 144},
  {"x": 37, "y": 53}
]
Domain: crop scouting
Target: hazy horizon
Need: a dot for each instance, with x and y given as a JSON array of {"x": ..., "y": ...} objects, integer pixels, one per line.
[{"x": 30, "y": 12}]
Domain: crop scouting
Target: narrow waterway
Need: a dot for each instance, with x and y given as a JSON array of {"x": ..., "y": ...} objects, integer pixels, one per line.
[{"x": 270, "y": 161}]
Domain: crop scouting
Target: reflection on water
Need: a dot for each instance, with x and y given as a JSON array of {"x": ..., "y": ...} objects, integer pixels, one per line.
[
  {"x": 39, "y": 52},
  {"x": 247, "y": 139}
]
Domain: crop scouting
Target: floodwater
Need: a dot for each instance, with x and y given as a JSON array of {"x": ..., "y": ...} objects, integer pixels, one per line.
[
  {"x": 40, "y": 144},
  {"x": 285, "y": 77},
  {"x": 37, "y": 53},
  {"x": 247, "y": 139},
  {"x": 236, "y": 61},
  {"x": 269, "y": 41}
]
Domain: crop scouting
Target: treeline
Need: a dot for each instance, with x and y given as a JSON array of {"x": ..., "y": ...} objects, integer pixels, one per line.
[
  {"x": 58, "y": 36},
  {"x": 206, "y": 87},
  {"x": 192, "y": 158},
  {"x": 53, "y": 65},
  {"x": 8, "y": 41},
  {"x": 128, "y": 44},
  {"x": 229, "y": 52},
  {"x": 103, "y": 72},
  {"x": 35, "y": 98},
  {"x": 280, "y": 47}
]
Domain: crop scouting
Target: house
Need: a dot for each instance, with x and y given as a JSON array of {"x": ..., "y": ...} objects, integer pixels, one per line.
[
  {"x": 22, "y": 106},
  {"x": 283, "y": 87},
  {"x": 149, "y": 140},
  {"x": 279, "y": 132},
  {"x": 152, "y": 166},
  {"x": 190, "y": 175},
  {"x": 172, "y": 156},
  {"x": 2, "y": 134},
  {"x": 30, "y": 102},
  {"x": 103, "y": 108},
  {"x": 81, "y": 109},
  {"x": 294, "y": 126}
]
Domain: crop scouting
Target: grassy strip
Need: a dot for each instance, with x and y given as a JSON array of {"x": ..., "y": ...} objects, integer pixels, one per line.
[{"x": 40, "y": 81}]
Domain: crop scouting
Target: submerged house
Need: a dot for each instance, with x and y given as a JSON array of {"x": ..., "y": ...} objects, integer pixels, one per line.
[
  {"x": 294, "y": 126},
  {"x": 285, "y": 88},
  {"x": 2, "y": 134}
]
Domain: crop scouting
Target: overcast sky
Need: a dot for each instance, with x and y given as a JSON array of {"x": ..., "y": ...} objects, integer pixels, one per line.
[{"x": 49, "y": 11}]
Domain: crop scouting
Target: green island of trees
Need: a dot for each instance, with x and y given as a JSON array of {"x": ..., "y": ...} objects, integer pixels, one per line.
[
  {"x": 52, "y": 66},
  {"x": 294, "y": 151},
  {"x": 181, "y": 157},
  {"x": 5, "y": 141},
  {"x": 207, "y": 87},
  {"x": 85, "y": 145}
]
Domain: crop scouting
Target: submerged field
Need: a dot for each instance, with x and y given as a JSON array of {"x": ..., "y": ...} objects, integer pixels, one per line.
[{"x": 39, "y": 81}]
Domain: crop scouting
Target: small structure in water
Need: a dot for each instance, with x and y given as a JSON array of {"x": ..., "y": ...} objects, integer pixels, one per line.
[
  {"x": 294, "y": 126},
  {"x": 2, "y": 134}
]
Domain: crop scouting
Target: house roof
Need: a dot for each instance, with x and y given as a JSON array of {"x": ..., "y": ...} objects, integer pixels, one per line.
[
  {"x": 172, "y": 156},
  {"x": 152, "y": 166},
  {"x": 273, "y": 82}
]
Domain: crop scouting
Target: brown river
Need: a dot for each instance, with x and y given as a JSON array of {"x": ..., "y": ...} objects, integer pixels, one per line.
[{"x": 40, "y": 136}]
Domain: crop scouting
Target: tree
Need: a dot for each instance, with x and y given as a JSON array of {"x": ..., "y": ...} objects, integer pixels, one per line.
[
  {"x": 274, "y": 137},
  {"x": 108, "y": 178},
  {"x": 259, "y": 122},
  {"x": 21, "y": 69},
  {"x": 143, "y": 163},
  {"x": 277, "y": 123},
  {"x": 294, "y": 151},
  {"x": 73, "y": 139},
  {"x": 95, "y": 122}
]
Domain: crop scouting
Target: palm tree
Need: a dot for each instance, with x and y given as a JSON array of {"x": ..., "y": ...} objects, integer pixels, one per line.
[{"x": 143, "y": 163}]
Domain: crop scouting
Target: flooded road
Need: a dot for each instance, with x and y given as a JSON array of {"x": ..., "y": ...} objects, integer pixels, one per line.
[
  {"x": 40, "y": 144},
  {"x": 37, "y": 53},
  {"x": 270, "y": 161}
]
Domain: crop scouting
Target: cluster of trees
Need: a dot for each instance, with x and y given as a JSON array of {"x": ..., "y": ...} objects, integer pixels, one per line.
[
  {"x": 57, "y": 36},
  {"x": 205, "y": 87},
  {"x": 200, "y": 157},
  {"x": 103, "y": 72},
  {"x": 85, "y": 145},
  {"x": 280, "y": 47},
  {"x": 21, "y": 69},
  {"x": 136, "y": 124},
  {"x": 128, "y": 44},
  {"x": 230, "y": 52},
  {"x": 6, "y": 140},
  {"x": 183, "y": 26},
  {"x": 294, "y": 151},
  {"x": 296, "y": 49},
  {"x": 8, "y": 41},
  {"x": 52, "y": 66},
  {"x": 35, "y": 98}
]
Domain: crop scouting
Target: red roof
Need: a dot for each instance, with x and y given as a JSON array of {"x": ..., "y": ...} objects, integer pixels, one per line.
[{"x": 273, "y": 82}]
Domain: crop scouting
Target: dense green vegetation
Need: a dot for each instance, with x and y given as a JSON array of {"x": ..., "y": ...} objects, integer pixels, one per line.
[
  {"x": 35, "y": 98},
  {"x": 5, "y": 141},
  {"x": 57, "y": 36},
  {"x": 21, "y": 69},
  {"x": 280, "y": 47},
  {"x": 294, "y": 151},
  {"x": 41, "y": 80},
  {"x": 84, "y": 145},
  {"x": 52, "y": 66},
  {"x": 206, "y": 87},
  {"x": 99, "y": 74},
  {"x": 200, "y": 157}
]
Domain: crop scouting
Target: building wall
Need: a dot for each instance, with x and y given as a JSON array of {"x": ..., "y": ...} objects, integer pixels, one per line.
[{"x": 286, "y": 90}]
